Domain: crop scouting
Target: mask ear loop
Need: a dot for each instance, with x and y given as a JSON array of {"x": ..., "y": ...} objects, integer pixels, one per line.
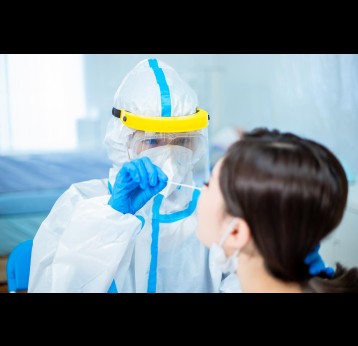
[{"x": 228, "y": 231}]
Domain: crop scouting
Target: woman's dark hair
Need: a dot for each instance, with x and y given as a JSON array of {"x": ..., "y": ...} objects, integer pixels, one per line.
[{"x": 292, "y": 192}]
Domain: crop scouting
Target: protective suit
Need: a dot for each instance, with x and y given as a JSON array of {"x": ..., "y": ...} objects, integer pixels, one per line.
[{"x": 96, "y": 239}]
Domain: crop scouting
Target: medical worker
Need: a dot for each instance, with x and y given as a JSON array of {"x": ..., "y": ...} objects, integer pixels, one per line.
[{"x": 135, "y": 232}]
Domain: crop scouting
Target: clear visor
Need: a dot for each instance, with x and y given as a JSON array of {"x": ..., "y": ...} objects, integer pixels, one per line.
[{"x": 142, "y": 141}]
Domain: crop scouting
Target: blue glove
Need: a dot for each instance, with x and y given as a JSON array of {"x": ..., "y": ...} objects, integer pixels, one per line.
[
  {"x": 136, "y": 183},
  {"x": 316, "y": 264}
]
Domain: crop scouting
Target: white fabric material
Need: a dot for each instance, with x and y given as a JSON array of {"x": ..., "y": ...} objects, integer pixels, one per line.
[
  {"x": 139, "y": 93},
  {"x": 84, "y": 244},
  {"x": 231, "y": 284}
]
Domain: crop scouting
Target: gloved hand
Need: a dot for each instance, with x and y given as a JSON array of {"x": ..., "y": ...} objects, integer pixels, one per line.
[
  {"x": 316, "y": 264},
  {"x": 136, "y": 183}
]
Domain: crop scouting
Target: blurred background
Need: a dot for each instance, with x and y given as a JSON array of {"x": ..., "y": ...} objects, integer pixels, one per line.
[{"x": 54, "y": 110}]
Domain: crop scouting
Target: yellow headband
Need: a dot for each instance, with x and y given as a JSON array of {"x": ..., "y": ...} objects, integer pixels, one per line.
[{"x": 187, "y": 123}]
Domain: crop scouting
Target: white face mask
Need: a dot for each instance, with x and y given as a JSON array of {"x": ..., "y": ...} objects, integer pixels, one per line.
[
  {"x": 217, "y": 254},
  {"x": 174, "y": 160}
]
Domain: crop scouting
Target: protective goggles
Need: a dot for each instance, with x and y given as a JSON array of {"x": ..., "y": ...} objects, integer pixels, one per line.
[
  {"x": 141, "y": 141},
  {"x": 192, "y": 122}
]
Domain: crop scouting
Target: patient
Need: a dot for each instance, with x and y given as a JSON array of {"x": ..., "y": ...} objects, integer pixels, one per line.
[{"x": 269, "y": 202}]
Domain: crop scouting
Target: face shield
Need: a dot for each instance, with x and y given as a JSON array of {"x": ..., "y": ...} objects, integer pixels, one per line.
[{"x": 178, "y": 145}]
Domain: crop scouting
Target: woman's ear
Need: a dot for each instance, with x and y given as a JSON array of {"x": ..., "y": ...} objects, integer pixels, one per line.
[{"x": 239, "y": 236}]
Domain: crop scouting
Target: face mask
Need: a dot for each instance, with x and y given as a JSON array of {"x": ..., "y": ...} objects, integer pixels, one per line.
[
  {"x": 175, "y": 161},
  {"x": 218, "y": 257}
]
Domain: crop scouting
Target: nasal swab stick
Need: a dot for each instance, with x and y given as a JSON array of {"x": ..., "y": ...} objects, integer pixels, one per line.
[{"x": 185, "y": 185}]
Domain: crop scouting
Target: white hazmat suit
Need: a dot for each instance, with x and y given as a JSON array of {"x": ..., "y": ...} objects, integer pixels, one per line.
[{"x": 84, "y": 245}]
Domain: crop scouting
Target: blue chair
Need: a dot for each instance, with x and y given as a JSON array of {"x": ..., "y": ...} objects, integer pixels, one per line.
[{"x": 18, "y": 267}]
